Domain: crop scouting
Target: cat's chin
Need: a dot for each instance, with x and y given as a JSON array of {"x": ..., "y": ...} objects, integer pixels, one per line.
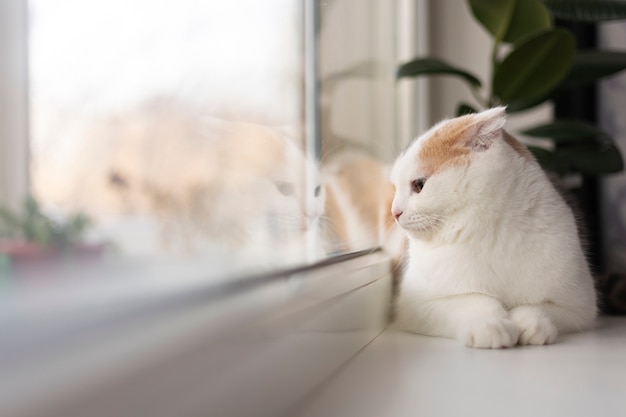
[{"x": 422, "y": 233}]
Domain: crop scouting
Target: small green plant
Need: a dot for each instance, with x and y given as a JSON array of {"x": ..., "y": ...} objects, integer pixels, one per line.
[
  {"x": 30, "y": 224},
  {"x": 533, "y": 62}
]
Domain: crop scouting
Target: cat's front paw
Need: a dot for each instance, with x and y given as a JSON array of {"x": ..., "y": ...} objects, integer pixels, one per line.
[
  {"x": 490, "y": 333},
  {"x": 535, "y": 327}
]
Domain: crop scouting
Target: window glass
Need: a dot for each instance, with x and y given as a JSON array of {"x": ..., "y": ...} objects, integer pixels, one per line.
[
  {"x": 174, "y": 131},
  {"x": 357, "y": 124}
]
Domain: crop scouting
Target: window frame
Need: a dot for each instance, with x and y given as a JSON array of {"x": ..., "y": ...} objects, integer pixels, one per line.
[
  {"x": 289, "y": 295},
  {"x": 14, "y": 149},
  {"x": 293, "y": 330}
]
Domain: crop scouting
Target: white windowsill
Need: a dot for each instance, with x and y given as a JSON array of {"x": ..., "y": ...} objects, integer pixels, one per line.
[
  {"x": 402, "y": 374},
  {"x": 178, "y": 350}
]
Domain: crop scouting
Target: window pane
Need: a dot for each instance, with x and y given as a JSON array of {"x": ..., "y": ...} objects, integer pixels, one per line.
[
  {"x": 176, "y": 127},
  {"x": 357, "y": 121},
  {"x": 178, "y": 130}
]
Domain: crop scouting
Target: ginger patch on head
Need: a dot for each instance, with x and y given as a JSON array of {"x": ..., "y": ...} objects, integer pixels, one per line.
[{"x": 446, "y": 146}]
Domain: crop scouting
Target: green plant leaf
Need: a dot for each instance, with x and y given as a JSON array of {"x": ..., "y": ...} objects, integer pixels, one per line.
[
  {"x": 535, "y": 67},
  {"x": 494, "y": 15},
  {"x": 433, "y": 66},
  {"x": 464, "y": 109},
  {"x": 565, "y": 131},
  {"x": 36, "y": 227},
  {"x": 548, "y": 160},
  {"x": 587, "y": 10},
  {"x": 75, "y": 227},
  {"x": 10, "y": 223},
  {"x": 592, "y": 159},
  {"x": 589, "y": 66},
  {"x": 511, "y": 20},
  {"x": 529, "y": 18},
  {"x": 515, "y": 106},
  {"x": 33, "y": 225},
  {"x": 580, "y": 147}
]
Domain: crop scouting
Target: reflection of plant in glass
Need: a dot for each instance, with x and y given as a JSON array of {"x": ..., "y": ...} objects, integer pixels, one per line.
[
  {"x": 30, "y": 224},
  {"x": 542, "y": 62}
]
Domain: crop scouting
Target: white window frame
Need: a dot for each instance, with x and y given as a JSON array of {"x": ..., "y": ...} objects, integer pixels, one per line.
[
  {"x": 14, "y": 149},
  {"x": 340, "y": 305},
  {"x": 412, "y": 95},
  {"x": 253, "y": 347}
]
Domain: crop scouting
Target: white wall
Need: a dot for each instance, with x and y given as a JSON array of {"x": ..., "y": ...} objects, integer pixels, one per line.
[
  {"x": 457, "y": 39},
  {"x": 461, "y": 41},
  {"x": 357, "y": 40}
]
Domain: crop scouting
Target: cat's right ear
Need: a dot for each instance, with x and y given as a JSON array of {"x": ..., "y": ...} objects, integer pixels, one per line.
[{"x": 487, "y": 128}]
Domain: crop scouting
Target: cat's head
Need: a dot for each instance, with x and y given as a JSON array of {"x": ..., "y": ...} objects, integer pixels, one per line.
[
  {"x": 295, "y": 193},
  {"x": 448, "y": 169}
]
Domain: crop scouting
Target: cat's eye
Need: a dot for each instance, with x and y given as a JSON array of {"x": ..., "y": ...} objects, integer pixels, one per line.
[
  {"x": 417, "y": 185},
  {"x": 317, "y": 191},
  {"x": 285, "y": 188}
]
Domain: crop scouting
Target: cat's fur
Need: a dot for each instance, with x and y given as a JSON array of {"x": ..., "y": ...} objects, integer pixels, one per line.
[{"x": 494, "y": 254}]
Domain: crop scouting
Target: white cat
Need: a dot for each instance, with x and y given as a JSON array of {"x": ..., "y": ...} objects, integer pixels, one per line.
[{"x": 494, "y": 253}]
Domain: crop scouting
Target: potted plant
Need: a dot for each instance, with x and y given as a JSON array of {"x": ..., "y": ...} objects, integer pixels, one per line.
[
  {"x": 31, "y": 240},
  {"x": 532, "y": 62}
]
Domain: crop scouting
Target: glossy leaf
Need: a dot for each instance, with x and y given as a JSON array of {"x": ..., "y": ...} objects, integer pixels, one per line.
[
  {"x": 511, "y": 20},
  {"x": 593, "y": 159},
  {"x": 587, "y": 10},
  {"x": 494, "y": 15},
  {"x": 548, "y": 160},
  {"x": 567, "y": 131},
  {"x": 515, "y": 106},
  {"x": 589, "y": 66},
  {"x": 464, "y": 109},
  {"x": 535, "y": 67},
  {"x": 433, "y": 66}
]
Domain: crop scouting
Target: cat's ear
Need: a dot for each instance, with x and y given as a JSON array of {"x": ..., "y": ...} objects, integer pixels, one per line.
[{"x": 487, "y": 128}]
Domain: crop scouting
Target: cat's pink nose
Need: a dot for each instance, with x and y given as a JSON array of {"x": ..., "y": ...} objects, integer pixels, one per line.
[{"x": 396, "y": 214}]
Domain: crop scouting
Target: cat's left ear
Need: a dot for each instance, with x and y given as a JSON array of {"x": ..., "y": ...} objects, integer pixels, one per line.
[{"x": 487, "y": 128}]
